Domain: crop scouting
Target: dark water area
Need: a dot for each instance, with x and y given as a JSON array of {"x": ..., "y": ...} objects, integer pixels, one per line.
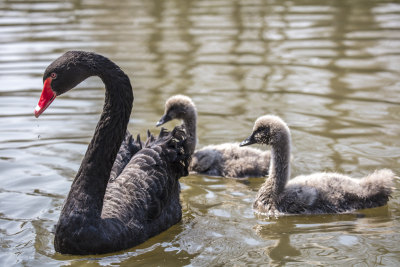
[{"x": 330, "y": 69}]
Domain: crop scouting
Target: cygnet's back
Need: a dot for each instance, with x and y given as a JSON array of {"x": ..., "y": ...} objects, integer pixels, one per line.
[
  {"x": 230, "y": 160},
  {"x": 226, "y": 160},
  {"x": 336, "y": 193}
]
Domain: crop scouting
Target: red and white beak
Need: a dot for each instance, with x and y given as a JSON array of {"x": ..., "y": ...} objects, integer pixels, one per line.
[{"x": 46, "y": 98}]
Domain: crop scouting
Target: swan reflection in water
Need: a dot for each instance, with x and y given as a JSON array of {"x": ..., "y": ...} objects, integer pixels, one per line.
[{"x": 299, "y": 235}]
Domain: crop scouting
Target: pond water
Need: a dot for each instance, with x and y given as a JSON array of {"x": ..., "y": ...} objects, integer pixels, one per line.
[{"x": 330, "y": 69}]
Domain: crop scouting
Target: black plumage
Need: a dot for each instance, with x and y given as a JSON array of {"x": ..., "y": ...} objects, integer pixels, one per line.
[
  {"x": 129, "y": 147},
  {"x": 124, "y": 191}
]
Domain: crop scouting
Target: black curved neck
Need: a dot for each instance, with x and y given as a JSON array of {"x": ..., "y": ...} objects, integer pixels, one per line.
[{"x": 88, "y": 188}]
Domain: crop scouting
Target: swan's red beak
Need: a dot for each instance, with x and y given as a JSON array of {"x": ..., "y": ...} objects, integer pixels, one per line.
[{"x": 46, "y": 98}]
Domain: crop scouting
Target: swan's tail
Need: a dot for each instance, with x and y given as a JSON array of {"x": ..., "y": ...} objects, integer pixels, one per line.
[{"x": 378, "y": 184}]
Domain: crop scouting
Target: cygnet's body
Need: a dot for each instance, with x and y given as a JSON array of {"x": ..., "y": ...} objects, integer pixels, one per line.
[
  {"x": 230, "y": 160},
  {"x": 226, "y": 160},
  {"x": 310, "y": 194}
]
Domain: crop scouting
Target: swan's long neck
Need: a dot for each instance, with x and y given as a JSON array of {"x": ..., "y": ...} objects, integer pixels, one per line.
[
  {"x": 279, "y": 169},
  {"x": 190, "y": 124},
  {"x": 89, "y": 186}
]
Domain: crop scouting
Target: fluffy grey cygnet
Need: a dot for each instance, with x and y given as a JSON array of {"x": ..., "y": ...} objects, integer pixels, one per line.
[
  {"x": 310, "y": 194},
  {"x": 226, "y": 160}
]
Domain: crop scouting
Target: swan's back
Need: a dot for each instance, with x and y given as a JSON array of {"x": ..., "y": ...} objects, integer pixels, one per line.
[
  {"x": 230, "y": 160},
  {"x": 145, "y": 196},
  {"x": 129, "y": 147},
  {"x": 335, "y": 193}
]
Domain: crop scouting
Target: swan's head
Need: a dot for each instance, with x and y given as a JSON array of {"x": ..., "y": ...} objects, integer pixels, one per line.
[
  {"x": 62, "y": 75},
  {"x": 269, "y": 130},
  {"x": 178, "y": 107}
]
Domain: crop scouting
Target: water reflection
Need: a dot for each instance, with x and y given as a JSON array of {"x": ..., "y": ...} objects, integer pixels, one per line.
[
  {"x": 328, "y": 68},
  {"x": 325, "y": 239}
]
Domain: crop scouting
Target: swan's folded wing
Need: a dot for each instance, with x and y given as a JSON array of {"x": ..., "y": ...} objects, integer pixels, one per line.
[
  {"x": 128, "y": 149},
  {"x": 171, "y": 160}
]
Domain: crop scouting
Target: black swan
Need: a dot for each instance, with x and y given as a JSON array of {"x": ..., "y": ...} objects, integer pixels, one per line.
[
  {"x": 115, "y": 202},
  {"x": 310, "y": 194},
  {"x": 226, "y": 160}
]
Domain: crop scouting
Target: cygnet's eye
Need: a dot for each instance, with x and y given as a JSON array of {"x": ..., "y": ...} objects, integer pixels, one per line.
[
  {"x": 258, "y": 136},
  {"x": 53, "y": 75}
]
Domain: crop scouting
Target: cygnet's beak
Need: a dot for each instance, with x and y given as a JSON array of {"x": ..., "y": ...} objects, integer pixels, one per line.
[
  {"x": 164, "y": 119},
  {"x": 248, "y": 141}
]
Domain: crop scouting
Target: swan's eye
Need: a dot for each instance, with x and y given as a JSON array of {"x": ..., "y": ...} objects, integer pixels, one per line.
[{"x": 53, "y": 75}]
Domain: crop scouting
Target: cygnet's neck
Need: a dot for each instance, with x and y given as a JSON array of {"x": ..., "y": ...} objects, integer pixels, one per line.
[
  {"x": 190, "y": 124},
  {"x": 279, "y": 169}
]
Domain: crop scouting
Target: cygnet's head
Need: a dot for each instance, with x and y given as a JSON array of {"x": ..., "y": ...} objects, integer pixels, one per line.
[
  {"x": 178, "y": 107},
  {"x": 269, "y": 130}
]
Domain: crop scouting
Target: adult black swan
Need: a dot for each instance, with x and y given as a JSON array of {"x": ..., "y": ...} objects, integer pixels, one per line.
[{"x": 108, "y": 211}]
